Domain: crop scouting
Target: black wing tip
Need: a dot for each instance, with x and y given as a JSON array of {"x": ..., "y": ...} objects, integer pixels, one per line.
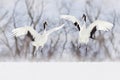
[
  {"x": 76, "y": 24},
  {"x": 93, "y": 32},
  {"x": 30, "y": 36}
]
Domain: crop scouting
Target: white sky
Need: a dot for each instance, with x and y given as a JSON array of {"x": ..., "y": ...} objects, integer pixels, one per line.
[
  {"x": 107, "y": 3},
  {"x": 112, "y": 4}
]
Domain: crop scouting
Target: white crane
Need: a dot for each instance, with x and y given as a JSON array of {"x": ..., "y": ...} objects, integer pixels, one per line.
[
  {"x": 37, "y": 39},
  {"x": 87, "y": 32}
]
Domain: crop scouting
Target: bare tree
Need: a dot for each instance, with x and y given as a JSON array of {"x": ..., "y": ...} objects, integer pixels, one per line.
[
  {"x": 17, "y": 50},
  {"x": 54, "y": 47},
  {"x": 65, "y": 6},
  {"x": 4, "y": 27}
]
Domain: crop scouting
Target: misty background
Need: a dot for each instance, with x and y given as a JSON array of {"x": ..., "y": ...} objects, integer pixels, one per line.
[{"x": 62, "y": 44}]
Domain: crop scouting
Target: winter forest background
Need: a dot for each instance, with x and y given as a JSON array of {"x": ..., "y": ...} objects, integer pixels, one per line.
[{"x": 62, "y": 44}]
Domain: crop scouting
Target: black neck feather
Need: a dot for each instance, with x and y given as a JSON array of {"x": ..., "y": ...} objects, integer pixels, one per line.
[{"x": 44, "y": 24}]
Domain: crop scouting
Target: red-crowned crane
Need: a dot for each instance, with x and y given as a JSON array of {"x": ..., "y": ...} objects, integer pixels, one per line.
[
  {"x": 36, "y": 38},
  {"x": 87, "y": 32}
]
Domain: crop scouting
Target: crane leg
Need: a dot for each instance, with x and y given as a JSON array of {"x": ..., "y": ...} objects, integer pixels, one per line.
[
  {"x": 42, "y": 51},
  {"x": 33, "y": 51},
  {"x": 94, "y": 36},
  {"x": 79, "y": 46},
  {"x": 86, "y": 51}
]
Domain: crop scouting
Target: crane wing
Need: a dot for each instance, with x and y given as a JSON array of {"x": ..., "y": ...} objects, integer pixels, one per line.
[
  {"x": 72, "y": 19},
  {"x": 55, "y": 29},
  {"x": 101, "y": 25},
  {"x": 25, "y": 31}
]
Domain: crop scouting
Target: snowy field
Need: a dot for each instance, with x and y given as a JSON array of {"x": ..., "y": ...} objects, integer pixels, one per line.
[{"x": 61, "y": 45}]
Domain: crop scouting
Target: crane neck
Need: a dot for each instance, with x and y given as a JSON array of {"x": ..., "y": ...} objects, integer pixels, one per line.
[
  {"x": 84, "y": 20},
  {"x": 44, "y": 25},
  {"x": 84, "y": 17},
  {"x": 84, "y": 25}
]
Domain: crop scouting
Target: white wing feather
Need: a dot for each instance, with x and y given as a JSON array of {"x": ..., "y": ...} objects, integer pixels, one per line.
[
  {"x": 101, "y": 25},
  {"x": 23, "y": 31},
  {"x": 55, "y": 29},
  {"x": 70, "y": 18}
]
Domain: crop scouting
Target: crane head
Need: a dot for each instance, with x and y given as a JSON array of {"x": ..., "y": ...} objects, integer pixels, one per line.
[{"x": 84, "y": 17}]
